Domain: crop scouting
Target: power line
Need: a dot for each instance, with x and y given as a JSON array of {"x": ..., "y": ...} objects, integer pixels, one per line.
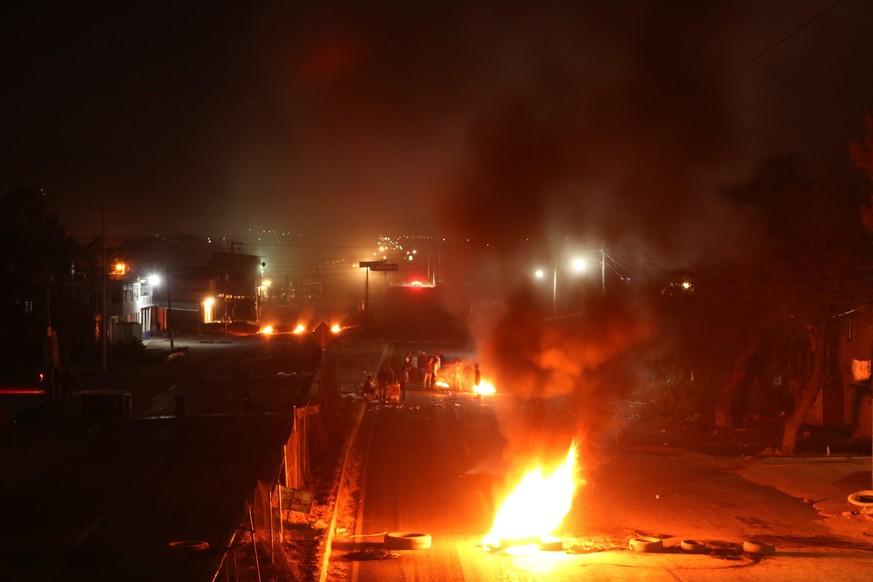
[{"x": 804, "y": 25}]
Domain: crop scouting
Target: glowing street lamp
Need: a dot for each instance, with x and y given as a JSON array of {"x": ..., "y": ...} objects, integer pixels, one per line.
[
  {"x": 577, "y": 265},
  {"x": 541, "y": 274},
  {"x": 155, "y": 281}
]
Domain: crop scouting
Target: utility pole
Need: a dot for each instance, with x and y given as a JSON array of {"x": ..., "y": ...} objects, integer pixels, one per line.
[
  {"x": 103, "y": 276},
  {"x": 103, "y": 293},
  {"x": 170, "y": 314},
  {"x": 603, "y": 270},
  {"x": 382, "y": 265},
  {"x": 48, "y": 299},
  {"x": 555, "y": 289},
  {"x": 367, "y": 299},
  {"x": 233, "y": 245},
  {"x": 48, "y": 351}
]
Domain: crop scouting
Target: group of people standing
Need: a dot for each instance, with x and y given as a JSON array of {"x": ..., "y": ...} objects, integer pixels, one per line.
[
  {"x": 428, "y": 369},
  {"x": 424, "y": 369}
]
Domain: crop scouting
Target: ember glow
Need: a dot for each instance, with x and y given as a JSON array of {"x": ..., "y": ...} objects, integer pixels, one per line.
[
  {"x": 267, "y": 329},
  {"x": 484, "y": 388},
  {"x": 536, "y": 507},
  {"x": 300, "y": 328}
]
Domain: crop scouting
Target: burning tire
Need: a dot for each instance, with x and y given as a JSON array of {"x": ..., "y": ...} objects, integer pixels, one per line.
[
  {"x": 646, "y": 544},
  {"x": 758, "y": 548},
  {"x": 861, "y": 498},
  {"x": 551, "y": 545},
  {"x": 407, "y": 540}
]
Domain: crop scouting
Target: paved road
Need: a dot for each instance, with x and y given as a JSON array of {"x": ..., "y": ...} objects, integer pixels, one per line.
[
  {"x": 99, "y": 499},
  {"x": 431, "y": 466}
]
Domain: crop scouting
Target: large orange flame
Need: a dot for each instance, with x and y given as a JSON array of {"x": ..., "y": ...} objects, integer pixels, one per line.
[
  {"x": 484, "y": 388},
  {"x": 536, "y": 507}
]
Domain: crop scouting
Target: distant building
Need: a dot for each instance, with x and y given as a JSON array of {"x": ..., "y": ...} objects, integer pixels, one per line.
[
  {"x": 849, "y": 402},
  {"x": 237, "y": 279}
]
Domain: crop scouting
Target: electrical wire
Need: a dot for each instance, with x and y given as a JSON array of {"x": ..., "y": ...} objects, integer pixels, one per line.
[{"x": 791, "y": 34}]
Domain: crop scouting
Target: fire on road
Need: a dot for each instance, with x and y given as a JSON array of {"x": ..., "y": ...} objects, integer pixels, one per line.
[{"x": 435, "y": 465}]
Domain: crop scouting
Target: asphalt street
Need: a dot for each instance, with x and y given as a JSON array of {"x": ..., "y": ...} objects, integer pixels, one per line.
[{"x": 432, "y": 465}]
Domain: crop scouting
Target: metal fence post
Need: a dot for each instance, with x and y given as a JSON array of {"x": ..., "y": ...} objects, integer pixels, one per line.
[{"x": 254, "y": 544}]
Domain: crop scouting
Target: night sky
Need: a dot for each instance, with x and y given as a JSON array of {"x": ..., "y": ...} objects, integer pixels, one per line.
[{"x": 337, "y": 119}]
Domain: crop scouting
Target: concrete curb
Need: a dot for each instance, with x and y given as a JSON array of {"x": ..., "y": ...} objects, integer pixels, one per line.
[{"x": 325, "y": 560}]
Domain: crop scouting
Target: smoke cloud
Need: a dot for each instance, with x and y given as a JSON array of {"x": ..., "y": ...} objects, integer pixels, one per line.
[{"x": 596, "y": 141}]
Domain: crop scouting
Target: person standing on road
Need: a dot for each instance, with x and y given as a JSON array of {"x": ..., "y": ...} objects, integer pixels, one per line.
[
  {"x": 369, "y": 388},
  {"x": 428, "y": 374},
  {"x": 477, "y": 378},
  {"x": 404, "y": 380},
  {"x": 383, "y": 378}
]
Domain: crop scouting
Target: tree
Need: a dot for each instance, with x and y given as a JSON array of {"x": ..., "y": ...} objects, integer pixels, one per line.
[
  {"x": 862, "y": 155},
  {"x": 795, "y": 283},
  {"x": 34, "y": 249}
]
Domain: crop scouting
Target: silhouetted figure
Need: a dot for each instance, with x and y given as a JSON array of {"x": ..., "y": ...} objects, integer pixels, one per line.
[
  {"x": 429, "y": 374},
  {"x": 369, "y": 388},
  {"x": 404, "y": 380},
  {"x": 383, "y": 378}
]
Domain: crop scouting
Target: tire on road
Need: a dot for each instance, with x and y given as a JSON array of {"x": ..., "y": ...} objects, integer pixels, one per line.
[
  {"x": 646, "y": 544},
  {"x": 407, "y": 540},
  {"x": 861, "y": 498},
  {"x": 692, "y": 546},
  {"x": 758, "y": 548},
  {"x": 551, "y": 545},
  {"x": 186, "y": 547}
]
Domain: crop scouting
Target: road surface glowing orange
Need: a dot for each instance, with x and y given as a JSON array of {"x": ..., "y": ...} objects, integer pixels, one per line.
[{"x": 536, "y": 507}]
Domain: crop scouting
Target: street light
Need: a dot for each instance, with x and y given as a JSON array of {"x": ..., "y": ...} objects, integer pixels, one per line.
[
  {"x": 577, "y": 265},
  {"x": 540, "y": 274},
  {"x": 155, "y": 281}
]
